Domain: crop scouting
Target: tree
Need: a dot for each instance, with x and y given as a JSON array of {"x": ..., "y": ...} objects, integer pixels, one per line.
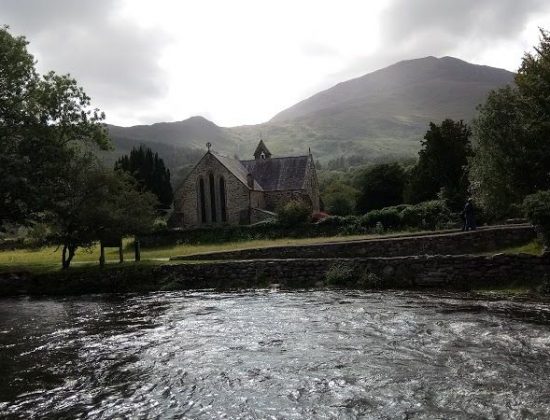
[
  {"x": 339, "y": 198},
  {"x": 513, "y": 137},
  {"x": 380, "y": 186},
  {"x": 150, "y": 172},
  {"x": 43, "y": 121},
  {"x": 97, "y": 204},
  {"x": 537, "y": 209},
  {"x": 442, "y": 164}
]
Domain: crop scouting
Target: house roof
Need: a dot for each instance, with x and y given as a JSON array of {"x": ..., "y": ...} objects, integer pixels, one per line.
[{"x": 275, "y": 174}]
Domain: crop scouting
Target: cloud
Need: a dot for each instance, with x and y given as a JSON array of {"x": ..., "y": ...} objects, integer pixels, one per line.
[
  {"x": 468, "y": 29},
  {"x": 113, "y": 58}
]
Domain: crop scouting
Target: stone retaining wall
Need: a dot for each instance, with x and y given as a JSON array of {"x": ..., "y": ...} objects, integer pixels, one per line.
[
  {"x": 441, "y": 271},
  {"x": 479, "y": 241},
  {"x": 424, "y": 271}
]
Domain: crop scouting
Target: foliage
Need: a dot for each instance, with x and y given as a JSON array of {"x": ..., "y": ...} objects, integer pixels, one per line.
[
  {"x": 370, "y": 280},
  {"x": 381, "y": 186},
  {"x": 44, "y": 120},
  {"x": 442, "y": 164},
  {"x": 340, "y": 274},
  {"x": 150, "y": 172},
  {"x": 97, "y": 204},
  {"x": 294, "y": 213},
  {"x": 537, "y": 210},
  {"x": 513, "y": 134},
  {"x": 389, "y": 218},
  {"x": 428, "y": 215}
]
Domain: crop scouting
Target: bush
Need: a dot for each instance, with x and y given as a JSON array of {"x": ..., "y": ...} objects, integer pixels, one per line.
[
  {"x": 340, "y": 274},
  {"x": 294, "y": 213},
  {"x": 537, "y": 210},
  {"x": 389, "y": 217},
  {"x": 320, "y": 215},
  {"x": 370, "y": 280},
  {"x": 427, "y": 215}
]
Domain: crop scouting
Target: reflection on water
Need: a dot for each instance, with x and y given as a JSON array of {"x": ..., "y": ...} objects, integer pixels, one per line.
[{"x": 274, "y": 355}]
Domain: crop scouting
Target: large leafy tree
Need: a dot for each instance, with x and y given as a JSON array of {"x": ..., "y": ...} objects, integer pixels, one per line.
[
  {"x": 150, "y": 172},
  {"x": 380, "y": 186},
  {"x": 513, "y": 137},
  {"x": 44, "y": 121},
  {"x": 442, "y": 164},
  {"x": 96, "y": 204}
]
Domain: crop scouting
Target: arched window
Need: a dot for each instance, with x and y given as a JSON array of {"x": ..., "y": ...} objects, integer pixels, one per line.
[
  {"x": 202, "y": 200},
  {"x": 212, "y": 197},
  {"x": 222, "y": 200}
]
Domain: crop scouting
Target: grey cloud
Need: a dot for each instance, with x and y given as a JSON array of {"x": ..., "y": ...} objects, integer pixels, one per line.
[
  {"x": 114, "y": 60},
  {"x": 414, "y": 29}
]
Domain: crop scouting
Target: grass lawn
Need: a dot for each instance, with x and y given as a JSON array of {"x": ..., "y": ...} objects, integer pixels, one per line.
[{"x": 49, "y": 258}]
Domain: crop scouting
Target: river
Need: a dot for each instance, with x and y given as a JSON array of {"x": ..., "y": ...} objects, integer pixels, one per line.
[{"x": 271, "y": 354}]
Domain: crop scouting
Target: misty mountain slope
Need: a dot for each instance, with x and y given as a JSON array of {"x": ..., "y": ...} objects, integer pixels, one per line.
[
  {"x": 193, "y": 132},
  {"x": 404, "y": 86},
  {"x": 380, "y": 116}
]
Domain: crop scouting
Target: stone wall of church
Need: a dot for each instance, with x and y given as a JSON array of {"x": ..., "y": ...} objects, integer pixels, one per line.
[
  {"x": 276, "y": 199},
  {"x": 236, "y": 195},
  {"x": 311, "y": 185}
]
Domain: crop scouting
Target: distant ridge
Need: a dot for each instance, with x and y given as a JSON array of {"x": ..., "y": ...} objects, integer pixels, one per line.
[{"x": 380, "y": 115}]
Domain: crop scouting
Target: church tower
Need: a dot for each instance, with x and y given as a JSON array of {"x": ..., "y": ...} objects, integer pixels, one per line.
[{"x": 262, "y": 152}]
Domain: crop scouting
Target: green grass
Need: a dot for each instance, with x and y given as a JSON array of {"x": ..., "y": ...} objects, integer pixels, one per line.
[
  {"x": 533, "y": 248},
  {"x": 49, "y": 258}
]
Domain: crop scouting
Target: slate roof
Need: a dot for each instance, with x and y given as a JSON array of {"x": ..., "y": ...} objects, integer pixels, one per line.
[
  {"x": 276, "y": 174},
  {"x": 236, "y": 168}
]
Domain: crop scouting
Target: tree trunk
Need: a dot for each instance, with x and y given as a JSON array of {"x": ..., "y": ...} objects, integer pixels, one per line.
[{"x": 66, "y": 259}]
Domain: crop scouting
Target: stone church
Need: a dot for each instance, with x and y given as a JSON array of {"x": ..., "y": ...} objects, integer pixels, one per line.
[{"x": 222, "y": 190}]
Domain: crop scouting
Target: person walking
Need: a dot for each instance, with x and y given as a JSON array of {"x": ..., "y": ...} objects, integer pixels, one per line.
[{"x": 470, "y": 223}]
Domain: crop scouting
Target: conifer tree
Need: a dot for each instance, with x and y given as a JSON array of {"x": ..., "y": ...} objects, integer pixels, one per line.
[{"x": 150, "y": 172}]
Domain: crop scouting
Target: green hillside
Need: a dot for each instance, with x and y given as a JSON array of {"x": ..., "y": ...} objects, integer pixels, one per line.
[{"x": 380, "y": 115}]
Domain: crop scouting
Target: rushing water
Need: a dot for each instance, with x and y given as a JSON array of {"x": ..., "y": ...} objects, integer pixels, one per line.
[{"x": 274, "y": 355}]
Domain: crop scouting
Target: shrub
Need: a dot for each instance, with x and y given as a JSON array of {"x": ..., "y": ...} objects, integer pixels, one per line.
[
  {"x": 537, "y": 210},
  {"x": 389, "y": 217},
  {"x": 370, "y": 280},
  {"x": 294, "y": 213},
  {"x": 320, "y": 215},
  {"x": 427, "y": 215},
  {"x": 340, "y": 274}
]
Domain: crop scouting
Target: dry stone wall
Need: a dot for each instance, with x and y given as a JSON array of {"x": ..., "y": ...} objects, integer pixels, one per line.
[{"x": 479, "y": 241}]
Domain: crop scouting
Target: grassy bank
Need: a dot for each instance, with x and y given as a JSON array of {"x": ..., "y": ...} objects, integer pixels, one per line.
[{"x": 49, "y": 258}]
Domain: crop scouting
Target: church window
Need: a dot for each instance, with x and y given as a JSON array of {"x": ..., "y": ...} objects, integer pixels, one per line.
[
  {"x": 212, "y": 197},
  {"x": 202, "y": 200},
  {"x": 222, "y": 200}
]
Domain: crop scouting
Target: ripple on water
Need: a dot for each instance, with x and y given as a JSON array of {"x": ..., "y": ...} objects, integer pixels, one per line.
[{"x": 261, "y": 354}]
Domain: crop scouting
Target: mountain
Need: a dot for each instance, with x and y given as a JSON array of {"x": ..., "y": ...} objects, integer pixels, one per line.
[{"x": 381, "y": 115}]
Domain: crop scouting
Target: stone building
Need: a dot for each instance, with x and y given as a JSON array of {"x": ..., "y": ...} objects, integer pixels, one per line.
[{"x": 223, "y": 190}]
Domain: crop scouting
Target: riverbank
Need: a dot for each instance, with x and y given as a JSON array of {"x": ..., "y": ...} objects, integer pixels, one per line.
[
  {"x": 502, "y": 274},
  {"x": 400, "y": 262}
]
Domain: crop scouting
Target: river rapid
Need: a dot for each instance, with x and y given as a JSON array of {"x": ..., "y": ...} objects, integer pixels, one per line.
[{"x": 271, "y": 354}]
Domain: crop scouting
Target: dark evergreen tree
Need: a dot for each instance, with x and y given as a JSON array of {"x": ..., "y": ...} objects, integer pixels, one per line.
[
  {"x": 381, "y": 186},
  {"x": 150, "y": 172},
  {"x": 442, "y": 165}
]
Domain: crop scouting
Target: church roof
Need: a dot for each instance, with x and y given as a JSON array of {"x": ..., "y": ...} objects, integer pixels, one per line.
[
  {"x": 236, "y": 168},
  {"x": 275, "y": 174}
]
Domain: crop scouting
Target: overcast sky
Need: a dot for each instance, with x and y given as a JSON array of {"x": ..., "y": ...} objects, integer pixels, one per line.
[{"x": 242, "y": 61}]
